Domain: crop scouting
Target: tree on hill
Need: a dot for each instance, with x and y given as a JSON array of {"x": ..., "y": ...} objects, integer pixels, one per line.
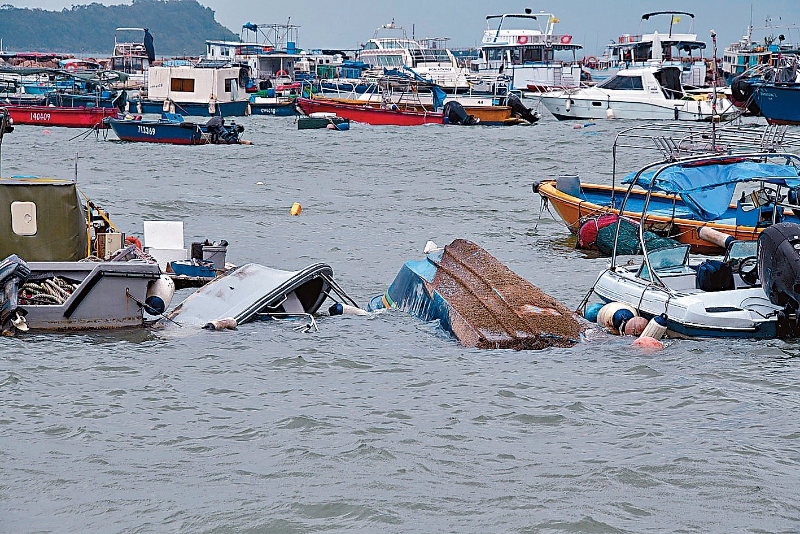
[{"x": 179, "y": 27}]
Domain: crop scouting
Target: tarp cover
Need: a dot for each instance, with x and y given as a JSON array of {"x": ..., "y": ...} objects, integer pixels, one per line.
[{"x": 708, "y": 189}]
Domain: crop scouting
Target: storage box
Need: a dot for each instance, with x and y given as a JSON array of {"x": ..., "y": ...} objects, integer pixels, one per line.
[
  {"x": 107, "y": 244},
  {"x": 216, "y": 255}
]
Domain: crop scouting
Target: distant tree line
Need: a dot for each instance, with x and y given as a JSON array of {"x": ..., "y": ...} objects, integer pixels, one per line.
[{"x": 179, "y": 27}]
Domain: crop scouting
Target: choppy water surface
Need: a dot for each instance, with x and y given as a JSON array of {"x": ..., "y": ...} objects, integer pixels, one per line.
[{"x": 379, "y": 424}]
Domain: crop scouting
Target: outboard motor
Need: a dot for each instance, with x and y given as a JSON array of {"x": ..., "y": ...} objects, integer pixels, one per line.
[
  {"x": 742, "y": 90},
  {"x": 216, "y": 127},
  {"x": 779, "y": 270},
  {"x": 13, "y": 273},
  {"x": 454, "y": 113},
  {"x": 518, "y": 109}
]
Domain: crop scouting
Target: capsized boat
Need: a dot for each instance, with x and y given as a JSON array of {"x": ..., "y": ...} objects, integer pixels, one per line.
[
  {"x": 480, "y": 301},
  {"x": 172, "y": 128},
  {"x": 739, "y": 194},
  {"x": 254, "y": 291}
]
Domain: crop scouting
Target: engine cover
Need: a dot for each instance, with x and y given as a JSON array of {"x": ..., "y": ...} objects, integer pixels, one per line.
[{"x": 779, "y": 264}]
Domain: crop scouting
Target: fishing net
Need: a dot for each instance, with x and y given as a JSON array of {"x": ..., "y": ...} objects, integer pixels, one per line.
[{"x": 628, "y": 242}]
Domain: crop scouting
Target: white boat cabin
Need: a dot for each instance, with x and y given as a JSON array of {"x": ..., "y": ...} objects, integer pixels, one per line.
[{"x": 192, "y": 84}]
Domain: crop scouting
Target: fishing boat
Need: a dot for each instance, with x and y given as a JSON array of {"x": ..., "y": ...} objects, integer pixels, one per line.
[
  {"x": 752, "y": 291},
  {"x": 279, "y": 106},
  {"x": 739, "y": 196},
  {"x": 479, "y": 301},
  {"x": 393, "y": 115},
  {"x": 132, "y": 54},
  {"x": 749, "y": 54},
  {"x": 646, "y": 93},
  {"x": 71, "y": 117},
  {"x": 196, "y": 90},
  {"x": 527, "y": 56},
  {"x": 173, "y": 129},
  {"x": 779, "y": 102},
  {"x": 390, "y": 48}
]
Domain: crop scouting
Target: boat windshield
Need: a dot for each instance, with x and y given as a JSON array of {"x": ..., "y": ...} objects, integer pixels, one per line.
[{"x": 664, "y": 259}]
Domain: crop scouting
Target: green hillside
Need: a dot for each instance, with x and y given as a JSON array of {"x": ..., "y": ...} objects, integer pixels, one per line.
[{"x": 179, "y": 27}]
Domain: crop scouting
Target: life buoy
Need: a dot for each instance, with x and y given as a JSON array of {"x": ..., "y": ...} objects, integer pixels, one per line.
[
  {"x": 70, "y": 67},
  {"x": 281, "y": 73},
  {"x": 566, "y": 39},
  {"x": 522, "y": 39},
  {"x": 133, "y": 241},
  {"x": 591, "y": 62}
]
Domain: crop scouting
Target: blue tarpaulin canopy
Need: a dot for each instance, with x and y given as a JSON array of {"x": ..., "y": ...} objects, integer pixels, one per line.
[{"x": 707, "y": 189}]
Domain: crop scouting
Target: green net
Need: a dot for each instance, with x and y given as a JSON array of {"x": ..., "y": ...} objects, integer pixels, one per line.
[{"x": 628, "y": 242}]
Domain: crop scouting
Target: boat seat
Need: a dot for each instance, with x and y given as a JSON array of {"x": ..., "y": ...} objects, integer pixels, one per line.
[{"x": 571, "y": 185}]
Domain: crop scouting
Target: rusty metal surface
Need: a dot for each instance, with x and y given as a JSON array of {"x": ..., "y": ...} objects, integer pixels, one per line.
[{"x": 493, "y": 307}]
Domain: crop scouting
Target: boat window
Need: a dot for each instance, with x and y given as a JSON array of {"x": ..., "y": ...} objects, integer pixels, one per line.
[
  {"x": 185, "y": 85},
  {"x": 370, "y": 46},
  {"x": 23, "y": 218},
  {"x": 229, "y": 84},
  {"x": 494, "y": 54},
  {"x": 741, "y": 249},
  {"x": 665, "y": 258},
  {"x": 623, "y": 83}
]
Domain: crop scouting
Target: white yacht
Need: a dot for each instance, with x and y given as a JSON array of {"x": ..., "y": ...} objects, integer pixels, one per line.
[
  {"x": 390, "y": 48},
  {"x": 526, "y": 55},
  {"x": 648, "y": 93}
]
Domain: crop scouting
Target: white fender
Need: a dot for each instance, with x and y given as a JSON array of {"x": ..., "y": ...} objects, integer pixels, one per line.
[
  {"x": 568, "y": 105},
  {"x": 159, "y": 295}
]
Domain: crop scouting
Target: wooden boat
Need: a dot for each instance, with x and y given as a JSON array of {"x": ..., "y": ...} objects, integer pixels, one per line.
[
  {"x": 480, "y": 301},
  {"x": 172, "y": 129},
  {"x": 762, "y": 192},
  {"x": 368, "y": 114},
  {"x": 78, "y": 117}
]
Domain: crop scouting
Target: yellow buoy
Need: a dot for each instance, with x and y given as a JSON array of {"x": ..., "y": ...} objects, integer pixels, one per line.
[{"x": 296, "y": 208}]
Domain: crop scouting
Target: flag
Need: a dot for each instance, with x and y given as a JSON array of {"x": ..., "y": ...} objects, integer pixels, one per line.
[
  {"x": 553, "y": 20},
  {"x": 675, "y": 19}
]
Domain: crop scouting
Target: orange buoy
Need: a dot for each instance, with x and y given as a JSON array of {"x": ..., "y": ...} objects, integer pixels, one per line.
[{"x": 296, "y": 209}]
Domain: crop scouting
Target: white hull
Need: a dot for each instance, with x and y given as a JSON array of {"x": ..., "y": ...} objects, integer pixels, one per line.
[
  {"x": 595, "y": 103},
  {"x": 738, "y": 312}
]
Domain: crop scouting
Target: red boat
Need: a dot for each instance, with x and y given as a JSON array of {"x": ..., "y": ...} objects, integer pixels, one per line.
[
  {"x": 61, "y": 116},
  {"x": 369, "y": 115}
]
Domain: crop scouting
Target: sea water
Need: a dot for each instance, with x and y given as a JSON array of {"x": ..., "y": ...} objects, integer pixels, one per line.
[{"x": 379, "y": 423}]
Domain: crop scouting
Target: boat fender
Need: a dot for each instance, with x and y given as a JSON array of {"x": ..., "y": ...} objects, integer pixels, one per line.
[
  {"x": 568, "y": 105},
  {"x": 620, "y": 319},
  {"x": 606, "y": 315},
  {"x": 159, "y": 295},
  {"x": 345, "y": 309},
  {"x": 139, "y": 108},
  {"x": 656, "y": 328},
  {"x": 127, "y": 107},
  {"x": 715, "y": 236},
  {"x": 635, "y": 326},
  {"x": 610, "y": 114},
  {"x": 590, "y": 314},
  {"x": 647, "y": 342},
  {"x": 228, "y": 323}
]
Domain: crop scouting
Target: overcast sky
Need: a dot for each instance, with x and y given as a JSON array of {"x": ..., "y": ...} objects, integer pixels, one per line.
[{"x": 348, "y": 23}]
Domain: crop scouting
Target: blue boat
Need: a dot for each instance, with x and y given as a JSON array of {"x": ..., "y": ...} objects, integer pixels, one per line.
[
  {"x": 779, "y": 102},
  {"x": 172, "y": 129},
  {"x": 195, "y": 109},
  {"x": 480, "y": 301}
]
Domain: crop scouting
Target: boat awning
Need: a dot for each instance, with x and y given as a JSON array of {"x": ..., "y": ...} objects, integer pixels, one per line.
[{"x": 707, "y": 189}]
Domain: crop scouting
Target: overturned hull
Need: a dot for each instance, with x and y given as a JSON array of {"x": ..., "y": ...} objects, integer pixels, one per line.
[
  {"x": 251, "y": 290},
  {"x": 480, "y": 301}
]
